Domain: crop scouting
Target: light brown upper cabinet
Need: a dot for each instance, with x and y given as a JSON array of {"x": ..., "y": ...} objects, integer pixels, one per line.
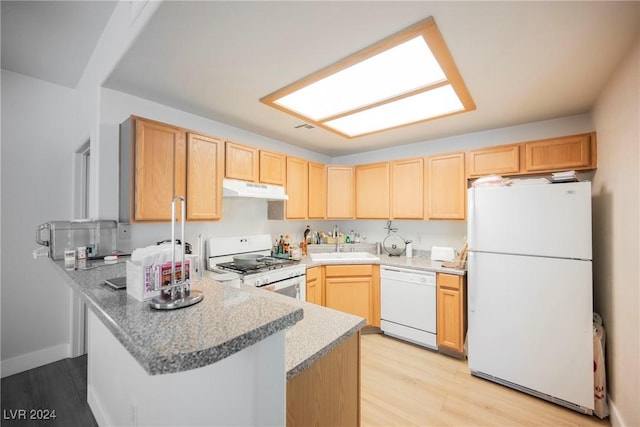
[
  {"x": 157, "y": 153},
  {"x": 159, "y": 161},
  {"x": 317, "y": 191},
  {"x": 373, "y": 191},
  {"x": 297, "y": 188},
  {"x": 241, "y": 162},
  {"x": 446, "y": 187},
  {"x": 340, "y": 192},
  {"x": 272, "y": 168},
  {"x": 577, "y": 152},
  {"x": 501, "y": 160},
  {"x": 205, "y": 165},
  {"x": 407, "y": 189},
  {"x": 570, "y": 152}
]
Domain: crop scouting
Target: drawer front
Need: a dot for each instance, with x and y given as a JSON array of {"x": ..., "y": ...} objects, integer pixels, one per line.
[
  {"x": 313, "y": 273},
  {"x": 348, "y": 270},
  {"x": 450, "y": 281}
]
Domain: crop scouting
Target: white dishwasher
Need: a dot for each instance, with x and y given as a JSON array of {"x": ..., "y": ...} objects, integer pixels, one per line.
[{"x": 408, "y": 305}]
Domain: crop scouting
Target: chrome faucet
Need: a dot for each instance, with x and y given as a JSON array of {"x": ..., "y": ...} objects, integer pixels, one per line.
[{"x": 336, "y": 234}]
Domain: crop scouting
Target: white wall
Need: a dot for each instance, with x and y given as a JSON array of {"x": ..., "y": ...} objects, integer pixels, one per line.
[
  {"x": 37, "y": 159},
  {"x": 617, "y": 236}
]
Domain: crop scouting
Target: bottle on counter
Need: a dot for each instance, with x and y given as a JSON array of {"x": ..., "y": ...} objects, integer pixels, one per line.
[{"x": 307, "y": 235}]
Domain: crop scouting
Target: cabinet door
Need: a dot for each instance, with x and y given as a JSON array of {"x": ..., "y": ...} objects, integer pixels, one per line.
[
  {"x": 571, "y": 152},
  {"x": 349, "y": 294},
  {"x": 446, "y": 187},
  {"x": 314, "y": 285},
  {"x": 160, "y": 159},
  {"x": 407, "y": 189},
  {"x": 340, "y": 192},
  {"x": 272, "y": 168},
  {"x": 373, "y": 191},
  {"x": 241, "y": 162},
  {"x": 297, "y": 188},
  {"x": 451, "y": 323},
  {"x": 205, "y": 164},
  {"x": 501, "y": 160},
  {"x": 317, "y": 191}
]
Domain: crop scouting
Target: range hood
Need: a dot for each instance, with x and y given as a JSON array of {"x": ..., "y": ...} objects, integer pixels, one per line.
[{"x": 255, "y": 190}]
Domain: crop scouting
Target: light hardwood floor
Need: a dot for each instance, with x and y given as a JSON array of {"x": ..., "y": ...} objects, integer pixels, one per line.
[{"x": 406, "y": 385}]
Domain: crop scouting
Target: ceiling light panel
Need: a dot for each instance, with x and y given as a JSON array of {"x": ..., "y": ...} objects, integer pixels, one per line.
[
  {"x": 424, "y": 106},
  {"x": 398, "y": 70},
  {"x": 406, "y": 78}
]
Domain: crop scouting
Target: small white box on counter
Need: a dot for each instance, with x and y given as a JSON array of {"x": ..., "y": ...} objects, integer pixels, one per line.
[
  {"x": 143, "y": 279},
  {"x": 140, "y": 281}
]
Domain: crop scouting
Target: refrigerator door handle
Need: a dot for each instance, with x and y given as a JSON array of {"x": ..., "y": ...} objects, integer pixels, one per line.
[
  {"x": 473, "y": 291},
  {"x": 471, "y": 219}
]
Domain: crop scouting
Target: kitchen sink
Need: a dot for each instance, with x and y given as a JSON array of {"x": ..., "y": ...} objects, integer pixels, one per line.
[{"x": 343, "y": 257}]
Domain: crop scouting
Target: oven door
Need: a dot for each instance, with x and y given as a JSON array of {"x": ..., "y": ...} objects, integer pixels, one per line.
[{"x": 294, "y": 287}]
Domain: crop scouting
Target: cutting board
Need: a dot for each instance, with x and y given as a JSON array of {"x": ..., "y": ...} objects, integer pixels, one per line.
[{"x": 460, "y": 261}]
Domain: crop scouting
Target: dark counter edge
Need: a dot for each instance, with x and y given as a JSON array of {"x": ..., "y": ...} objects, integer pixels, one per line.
[{"x": 197, "y": 359}]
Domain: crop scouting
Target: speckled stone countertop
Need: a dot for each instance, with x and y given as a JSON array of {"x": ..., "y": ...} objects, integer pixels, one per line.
[
  {"x": 320, "y": 331},
  {"x": 225, "y": 322},
  {"x": 422, "y": 262}
]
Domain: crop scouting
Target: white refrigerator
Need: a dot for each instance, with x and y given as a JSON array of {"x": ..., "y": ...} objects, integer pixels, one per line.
[{"x": 530, "y": 290}]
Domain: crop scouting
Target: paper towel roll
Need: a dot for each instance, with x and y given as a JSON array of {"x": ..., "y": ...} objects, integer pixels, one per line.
[
  {"x": 601, "y": 407},
  {"x": 596, "y": 318}
]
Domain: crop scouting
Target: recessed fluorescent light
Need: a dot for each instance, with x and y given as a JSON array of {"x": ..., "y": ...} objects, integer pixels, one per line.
[
  {"x": 406, "y": 78},
  {"x": 425, "y": 105},
  {"x": 401, "y": 69}
]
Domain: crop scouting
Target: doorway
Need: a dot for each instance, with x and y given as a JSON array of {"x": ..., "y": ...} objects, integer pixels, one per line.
[{"x": 81, "y": 210}]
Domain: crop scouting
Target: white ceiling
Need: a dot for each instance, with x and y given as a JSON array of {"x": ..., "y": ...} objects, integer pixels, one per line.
[
  {"x": 52, "y": 40},
  {"x": 521, "y": 61}
]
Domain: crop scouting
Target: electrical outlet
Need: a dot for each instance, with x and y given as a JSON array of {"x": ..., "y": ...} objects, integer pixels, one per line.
[{"x": 123, "y": 231}]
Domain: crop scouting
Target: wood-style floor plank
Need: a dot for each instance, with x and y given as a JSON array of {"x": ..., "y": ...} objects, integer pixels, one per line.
[
  {"x": 58, "y": 386},
  {"x": 401, "y": 385},
  {"x": 406, "y": 385}
]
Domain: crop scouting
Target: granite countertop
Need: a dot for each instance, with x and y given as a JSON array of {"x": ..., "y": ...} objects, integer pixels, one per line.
[
  {"x": 320, "y": 331},
  {"x": 228, "y": 320},
  {"x": 421, "y": 262}
]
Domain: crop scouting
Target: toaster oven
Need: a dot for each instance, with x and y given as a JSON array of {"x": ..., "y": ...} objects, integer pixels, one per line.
[{"x": 98, "y": 236}]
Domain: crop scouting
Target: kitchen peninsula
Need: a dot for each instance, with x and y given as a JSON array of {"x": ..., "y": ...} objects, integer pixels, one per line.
[{"x": 228, "y": 360}]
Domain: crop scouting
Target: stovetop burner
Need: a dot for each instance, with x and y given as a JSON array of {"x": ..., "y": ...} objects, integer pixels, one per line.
[{"x": 266, "y": 263}]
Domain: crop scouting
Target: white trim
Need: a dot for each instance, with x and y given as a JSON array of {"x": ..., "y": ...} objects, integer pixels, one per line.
[
  {"x": 77, "y": 326},
  {"x": 35, "y": 359},
  {"x": 96, "y": 408},
  {"x": 614, "y": 415}
]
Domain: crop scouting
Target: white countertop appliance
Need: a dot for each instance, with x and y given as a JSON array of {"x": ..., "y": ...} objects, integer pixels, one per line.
[
  {"x": 530, "y": 290},
  {"x": 282, "y": 275},
  {"x": 408, "y": 305}
]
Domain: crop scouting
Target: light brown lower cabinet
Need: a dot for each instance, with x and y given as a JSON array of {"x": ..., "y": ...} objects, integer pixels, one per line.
[
  {"x": 328, "y": 392},
  {"x": 314, "y": 285},
  {"x": 354, "y": 289},
  {"x": 451, "y": 313}
]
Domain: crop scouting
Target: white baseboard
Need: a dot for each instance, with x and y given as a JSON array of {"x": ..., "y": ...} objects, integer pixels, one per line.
[
  {"x": 35, "y": 359},
  {"x": 614, "y": 416},
  {"x": 96, "y": 407}
]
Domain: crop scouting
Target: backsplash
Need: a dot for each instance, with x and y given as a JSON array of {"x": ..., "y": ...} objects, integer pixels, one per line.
[{"x": 249, "y": 216}]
